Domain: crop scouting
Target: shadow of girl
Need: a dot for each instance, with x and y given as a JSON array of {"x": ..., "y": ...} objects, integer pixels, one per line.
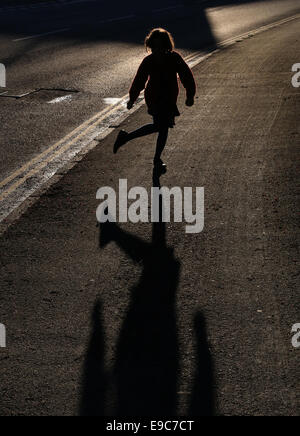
[{"x": 147, "y": 365}]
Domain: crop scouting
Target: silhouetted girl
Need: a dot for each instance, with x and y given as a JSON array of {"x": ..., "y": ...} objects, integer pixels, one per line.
[{"x": 158, "y": 73}]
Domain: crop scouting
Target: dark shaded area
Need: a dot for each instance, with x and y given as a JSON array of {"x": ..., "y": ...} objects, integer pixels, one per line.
[
  {"x": 189, "y": 24},
  {"x": 94, "y": 380},
  {"x": 202, "y": 400},
  {"x": 147, "y": 353},
  {"x": 22, "y": 2},
  {"x": 147, "y": 367},
  {"x": 85, "y": 22}
]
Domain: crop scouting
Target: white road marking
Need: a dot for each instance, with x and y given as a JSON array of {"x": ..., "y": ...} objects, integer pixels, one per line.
[
  {"x": 60, "y": 99},
  {"x": 41, "y": 35},
  {"x": 111, "y": 101}
]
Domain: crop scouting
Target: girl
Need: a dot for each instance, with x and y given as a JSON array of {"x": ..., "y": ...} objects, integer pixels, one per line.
[{"x": 158, "y": 72}]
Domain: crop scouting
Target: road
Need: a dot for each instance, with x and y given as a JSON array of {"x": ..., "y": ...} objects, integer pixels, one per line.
[
  {"x": 97, "y": 53},
  {"x": 139, "y": 319}
]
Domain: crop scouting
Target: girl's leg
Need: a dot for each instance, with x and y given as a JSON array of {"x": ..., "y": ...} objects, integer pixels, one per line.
[
  {"x": 161, "y": 143},
  {"x": 148, "y": 129},
  {"x": 124, "y": 137}
]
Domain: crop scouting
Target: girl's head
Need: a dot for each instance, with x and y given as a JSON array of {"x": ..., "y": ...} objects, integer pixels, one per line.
[{"x": 159, "y": 40}]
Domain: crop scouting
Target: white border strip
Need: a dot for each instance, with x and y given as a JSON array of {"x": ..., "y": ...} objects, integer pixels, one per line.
[{"x": 39, "y": 35}]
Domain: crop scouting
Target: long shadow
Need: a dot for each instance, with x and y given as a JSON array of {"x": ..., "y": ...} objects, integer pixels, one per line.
[
  {"x": 146, "y": 371},
  {"x": 147, "y": 359},
  {"x": 202, "y": 398},
  {"x": 94, "y": 378}
]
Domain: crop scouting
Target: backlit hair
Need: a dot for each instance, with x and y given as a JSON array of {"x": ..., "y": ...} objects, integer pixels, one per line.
[{"x": 160, "y": 38}]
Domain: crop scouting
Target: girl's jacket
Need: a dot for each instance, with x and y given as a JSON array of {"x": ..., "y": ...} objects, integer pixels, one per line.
[{"x": 159, "y": 75}]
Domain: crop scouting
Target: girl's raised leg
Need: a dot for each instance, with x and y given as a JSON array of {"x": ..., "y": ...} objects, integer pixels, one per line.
[
  {"x": 124, "y": 137},
  {"x": 148, "y": 129}
]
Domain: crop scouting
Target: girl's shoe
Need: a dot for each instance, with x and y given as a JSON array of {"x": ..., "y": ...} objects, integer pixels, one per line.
[
  {"x": 160, "y": 166},
  {"x": 121, "y": 140},
  {"x": 159, "y": 163}
]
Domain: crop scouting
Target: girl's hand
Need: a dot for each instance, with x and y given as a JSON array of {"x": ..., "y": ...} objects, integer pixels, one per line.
[
  {"x": 129, "y": 105},
  {"x": 189, "y": 102}
]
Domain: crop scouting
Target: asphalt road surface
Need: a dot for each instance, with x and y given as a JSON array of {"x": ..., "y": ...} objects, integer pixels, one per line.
[
  {"x": 96, "y": 52},
  {"x": 141, "y": 319}
]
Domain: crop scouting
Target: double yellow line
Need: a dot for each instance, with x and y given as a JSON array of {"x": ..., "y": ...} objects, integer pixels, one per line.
[{"x": 43, "y": 159}]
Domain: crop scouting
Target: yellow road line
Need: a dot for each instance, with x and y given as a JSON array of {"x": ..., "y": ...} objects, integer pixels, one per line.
[
  {"x": 25, "y": 167},
  {"x": 55, "y": 154}
]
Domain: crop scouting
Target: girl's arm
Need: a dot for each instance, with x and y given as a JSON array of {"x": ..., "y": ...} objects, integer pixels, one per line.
[
  {"x": 187, "y": 79},
  {"x": 138, "y": 83}
]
